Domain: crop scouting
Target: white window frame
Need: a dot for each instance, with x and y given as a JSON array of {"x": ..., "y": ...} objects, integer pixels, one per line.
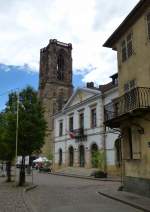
[{"x": 125, "y": 44}]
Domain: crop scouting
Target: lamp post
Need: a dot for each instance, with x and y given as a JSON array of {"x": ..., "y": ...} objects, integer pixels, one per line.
[{"x": 17, "y": 122}]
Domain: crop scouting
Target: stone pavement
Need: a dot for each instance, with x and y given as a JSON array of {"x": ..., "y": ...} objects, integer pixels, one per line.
[
  {"x": 76, "y": 171},
  {"x": 134, "y": 200},
  {"x": 12, "y": 198},
  {"x": 69, "y": 194},
  {"x": 60, "y": 193}
]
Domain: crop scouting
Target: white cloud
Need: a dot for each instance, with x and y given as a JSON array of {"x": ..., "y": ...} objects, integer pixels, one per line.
[{"x": 27, "y": 26}]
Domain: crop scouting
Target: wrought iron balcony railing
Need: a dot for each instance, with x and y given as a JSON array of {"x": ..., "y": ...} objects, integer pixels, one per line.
[
  {"x": 80, "y": 134},
  {"x": 136, "y": 99}
]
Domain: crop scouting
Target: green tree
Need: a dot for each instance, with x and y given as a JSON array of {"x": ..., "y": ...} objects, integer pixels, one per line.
[
  {"x": 31, "y": 128},
  {"x": 7, "y": 145},
  {"x": 98, "y": 159}
]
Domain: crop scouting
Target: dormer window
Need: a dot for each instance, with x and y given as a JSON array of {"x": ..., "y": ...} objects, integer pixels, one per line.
[
  {"x": 127, "y": 47},
  {"x": 60, "y": 67},
  {"x": 148, "y": 25}
]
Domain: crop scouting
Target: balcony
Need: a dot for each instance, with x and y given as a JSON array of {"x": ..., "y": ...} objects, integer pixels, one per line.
[
  {"x": 133, "y": 103},
  {"x": 80, "y": 135}
]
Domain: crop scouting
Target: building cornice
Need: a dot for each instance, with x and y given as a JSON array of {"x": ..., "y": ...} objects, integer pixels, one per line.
[
  {"x": 76, "y": 106},
  {"x": 128, "y": 22}
]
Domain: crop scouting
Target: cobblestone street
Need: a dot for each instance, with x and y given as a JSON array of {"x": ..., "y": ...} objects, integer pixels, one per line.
[
  {"x": 60, "y": 194},
  {"x": 12, "y": 198},
  {"x": 64, "y": 194}
]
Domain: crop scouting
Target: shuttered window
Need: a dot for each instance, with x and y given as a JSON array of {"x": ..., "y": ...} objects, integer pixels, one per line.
[
  {"x": 136, "y": 144},
  {"x": 132, "y": 144},
  {"x": 124, "y": 51},
  {"x": 127, "y": 47}
]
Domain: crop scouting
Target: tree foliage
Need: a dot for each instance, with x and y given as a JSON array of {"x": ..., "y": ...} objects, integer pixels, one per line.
[
  {"x": 98, "y": 159},
  {"x": 31, "y": 127},
  {"x": 7, "y": 144}
]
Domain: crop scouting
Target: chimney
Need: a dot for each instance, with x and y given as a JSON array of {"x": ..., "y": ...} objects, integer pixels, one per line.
[{"x": 90, "y": 84}]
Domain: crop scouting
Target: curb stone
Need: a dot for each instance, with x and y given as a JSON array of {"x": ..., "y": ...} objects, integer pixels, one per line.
[
  {"x": 84, "y": 177},
  {"x": 30, "y": 188},
  {"x": 124, "y": 202}
]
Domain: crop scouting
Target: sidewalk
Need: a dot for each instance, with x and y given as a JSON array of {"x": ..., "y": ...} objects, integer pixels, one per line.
[
  {"x": 82, "y": 173},
  {"x": 12, "y": 198},
  {"x": 134, "y": 200},
  {"x": 111, "y": 191}
]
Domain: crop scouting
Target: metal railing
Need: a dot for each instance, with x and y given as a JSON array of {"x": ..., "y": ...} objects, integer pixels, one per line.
[
  {"x": 80, "y": 134},
  {"x": 137, "y": 98}
]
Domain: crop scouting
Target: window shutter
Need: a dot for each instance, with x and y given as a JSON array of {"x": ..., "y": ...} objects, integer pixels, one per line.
[
  {"x": 129, "y": 45},
  {"x": 126, "y": 87},
  {"x": 148, "y": 25},
  {"x": 124, "y": 51},
  {"x": 132, "y": 84},
  {"x": 126, "y": 145},
  {"x": 136, "y": 144}
]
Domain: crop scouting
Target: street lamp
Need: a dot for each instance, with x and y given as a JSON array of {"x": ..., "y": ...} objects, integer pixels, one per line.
[{"x": 17, "y": 122}]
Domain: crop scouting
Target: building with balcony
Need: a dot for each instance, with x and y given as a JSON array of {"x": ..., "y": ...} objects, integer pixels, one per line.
[
  {"x": 79, "y": 132},
  {"x": 131, "y": 110}
]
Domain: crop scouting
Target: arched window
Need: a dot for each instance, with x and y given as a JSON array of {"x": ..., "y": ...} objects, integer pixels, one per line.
[
  {"x": 81, "y": 156},
  {"x": 118, "y": 152},
  {"x": 60, "y": 67},
  {"x": 71, "y": 156},
  {"x": 60, "y": 157}
]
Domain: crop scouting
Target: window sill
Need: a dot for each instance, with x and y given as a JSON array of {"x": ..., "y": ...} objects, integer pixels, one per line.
[{"x": 133, "y": 159}]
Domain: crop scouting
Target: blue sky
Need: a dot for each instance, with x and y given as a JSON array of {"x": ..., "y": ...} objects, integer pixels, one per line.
[
  {"x": 27, "y": 26},
  {"x": 13, "y": 77}
]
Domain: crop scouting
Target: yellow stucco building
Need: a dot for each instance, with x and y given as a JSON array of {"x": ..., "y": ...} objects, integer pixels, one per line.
[{"x": 131, "y": 111}]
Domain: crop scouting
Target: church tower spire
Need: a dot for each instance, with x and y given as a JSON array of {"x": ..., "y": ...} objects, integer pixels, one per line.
[{"x": 55, "y": 82}]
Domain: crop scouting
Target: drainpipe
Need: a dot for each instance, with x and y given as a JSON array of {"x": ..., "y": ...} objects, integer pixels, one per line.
[
  {"x": 104, "y": 138},
  {"x": 53, "y": 144},
  {"x": 122, "y": 166},
  {"x": 65, "y": 116},
  {"x": 105, "y": 151}
]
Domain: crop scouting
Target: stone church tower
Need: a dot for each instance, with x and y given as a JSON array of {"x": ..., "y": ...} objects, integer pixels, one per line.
[{"x": 55, "y": 83}]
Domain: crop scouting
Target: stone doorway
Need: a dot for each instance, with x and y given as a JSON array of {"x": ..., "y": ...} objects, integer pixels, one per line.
[
  {"x": 60, "y": 157},
  {"x": 71, "y": 156},
  {"x": 81, "y": 156}
]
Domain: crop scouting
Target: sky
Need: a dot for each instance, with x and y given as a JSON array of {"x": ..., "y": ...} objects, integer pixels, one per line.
[{"x": 26, "y": 26}]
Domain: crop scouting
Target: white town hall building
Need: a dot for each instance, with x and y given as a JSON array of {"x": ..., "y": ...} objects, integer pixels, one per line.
[{"x": 79, "y": 131}]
